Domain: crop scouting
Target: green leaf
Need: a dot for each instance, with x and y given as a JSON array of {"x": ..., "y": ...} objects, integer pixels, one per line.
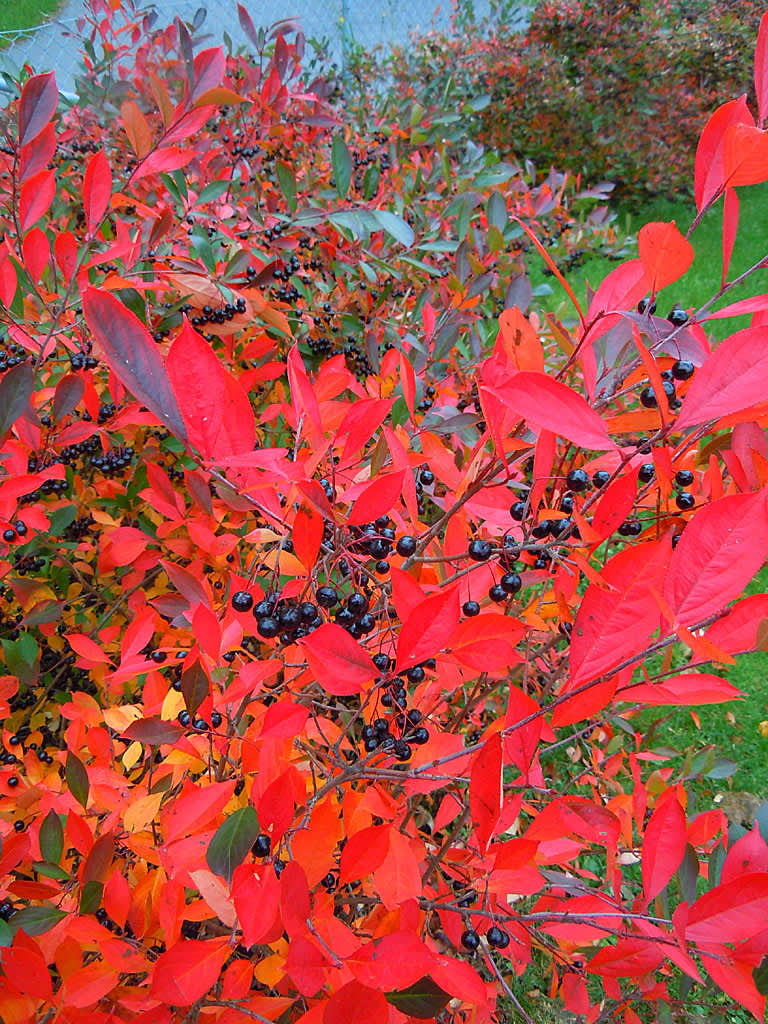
[
  {"x": 90, "y": 897},
  {"x": 371, "y": 182},
  {"x": 287, "y": 181},
  {"x": 760, "y": 976},
  {"x": 15, "y": 391},
  {"x": 400, "y": 230},
  {"x": 212, "y": 191},
  {"x": 22, "y": 658},
  {"x": 341, "y": 162},
  {"x": 77, "y": 779},
  {"x": 51, "y": 837},
  {"x": 42, "y": 867},
  {"x": 61, "y": 518},
  {"x": 36, "y": 920},
  {"x": 232, "y": 841},
  {"x": 423, "y": 999},
  {"x": 6, "y": 934}
]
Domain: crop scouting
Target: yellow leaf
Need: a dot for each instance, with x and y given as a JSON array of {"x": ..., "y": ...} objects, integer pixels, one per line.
[{"x": 140, "y": 814}]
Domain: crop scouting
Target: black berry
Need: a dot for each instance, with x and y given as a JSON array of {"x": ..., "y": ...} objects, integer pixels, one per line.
[
  {"x": 406, "y": 546},
  {"x": 678, "y": 317},
  {"x": 511, "y": 582},
  {"x": 262, "y": 845},
  {"x": 600, "y": 478},
  {"x": 497, "y": 937},
  {"x": 683, "y": 369},
  {"x": 480, "y": 550},
  {"x": 497, "y": 593},
  {"x": 685, "y": 500},
  {"x": 683, "y": 477},
  {"x": 471, "y": 608},
  {"x": 470, "y": 939},
  {"x": 268, "y": 627},
  {"x": 327, "y": 597},
  {"x": 577, "y": 480},
  {"x": 647, "y": 472},
  {"x": 242, "y": 601},
  {"x": 517, "y": 511}
]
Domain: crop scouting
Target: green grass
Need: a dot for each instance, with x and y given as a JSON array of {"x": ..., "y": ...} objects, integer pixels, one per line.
[
  {"x": 25, "y": 14},
  {"x": 703, "y": 279}
]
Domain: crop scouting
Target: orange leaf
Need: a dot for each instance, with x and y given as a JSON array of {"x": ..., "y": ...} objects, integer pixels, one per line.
[
  {"x": 188, "y": 970},
  {"x": 664, "y": 253}
]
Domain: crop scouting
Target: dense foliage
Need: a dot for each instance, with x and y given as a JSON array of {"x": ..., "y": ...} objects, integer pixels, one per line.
[
  {"x": 616, "y": 91},
  {"x": 333, "y": 583}
]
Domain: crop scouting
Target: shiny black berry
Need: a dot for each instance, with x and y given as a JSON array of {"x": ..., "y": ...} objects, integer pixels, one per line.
[
  {"x": 416, "y": 674},
  {"x": 497, "y": 593},
  {"x": 406, "y": 546},
  {"x": 262, "y": 845},
  {"x": 9, "y": 535},
  {"x": 683, "y": 369},
  {"x": 470, "y": 939},
  {"x": 648, "y": 398},
  {"x": 497, "y": 937},
  {"x": 643, "y": 307},
  {"x": 678, "y": 317},
  {"x": 427, "y": 477},
  {"x": 541, "y": 530},
  {"x": 577, "y": 480},
  {"x": 268, "y": 627},
  {"x": 216, "y": 719},
  {"x": 517, "y": 511},
  {"x": 327, "y": 597},
  {"x": 511, "y": 582},
  {"x": 13, "y": 781},
  {"x": 358, "y": 603},
  {"x": 685, "y": 500},
  {"x": 600, "y": 478},
  {"x": 683, "y": 477},
  {"x": 184, "y": 717},
  {"x": 242, "y": 601},
  {"x": 631, "y": 528},
  {"x": 200, "y": 725},
  {"x": 646, "y": 472},
  {"x": 402, "y": 750},
  {"x": 471, "y": 608},
  {"x": 421, "y": 735},
  {"x": 480, "y": 550},
  {"x": 381, "y": 661}
]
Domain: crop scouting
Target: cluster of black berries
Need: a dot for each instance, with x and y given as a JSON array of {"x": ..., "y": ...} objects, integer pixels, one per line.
[
  {"x": 12, "y": 533},
  {"x": 46, "y": 487},
  {"x": 73, "y": 452},
  {"x": 78, "y": 528},
  {"x": 115, "y": 462},
  {"x": 495, "y": 936},
  {"x": 198, "y": 723},
  {"x": 11, "y": 355},
  {"x": 27, "y": 565},
  {"x": 352, "y": 615},
  {"x": 106, "y": 411},
  {"x": 683, "y": 369},
  {"x": 106, "y": 921},
  {"x": 209, "y": 315},
  {"x": 83, "y": 361}
]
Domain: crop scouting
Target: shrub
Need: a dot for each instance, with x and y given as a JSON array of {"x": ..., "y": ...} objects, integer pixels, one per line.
[
  {"x": 614, "y": 92},
  {"x": 323, "y": 656}
]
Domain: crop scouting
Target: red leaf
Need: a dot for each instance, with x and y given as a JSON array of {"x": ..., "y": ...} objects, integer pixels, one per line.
[
  {"x": 37, "y": 105},
  {"x": 307, "y": 535},
  {"x": 339, "y": 663},
  {"x": 550, "y": 405},
  {"x": 97, "y": 190},
  {"x": 364, "y": 852},
  {"x": 627, "y": 958},
  {"x": 195, "y": 809},
  {"x": 620, "y": 290},
  {"x": 133, "y": 357},
  {"x": 730, "y": 225},
  {"x": 734, "y": 378},
  {"x": 361, "y": 423},
  {"x": 664, "y": 253},
  {"x": 25, "y": 967},
  {"x": 295, "y": 905},
  {"x": 736, "y": 979},
  {"x": 710, "y": 170},
  {"x": 86, "y": 648},
  {"x": 378, "y": 498},
  {"x": 731, "y": 912},
  {"x": 257, "y": 902},
  {"x": 398, "y": 879},
  {"x": 36, "y": 197},
  {"x": 428, "y": 629},
  {"x": 614, "y": 624},
  {"x": 217, "y": 412},
  {"x": 486, "y": 791},
  {"x": 689, "y": 689},
  {"x": 761, "y": 71},
  {"x": 307, "y": 965},
  {"x": 748, "y": 855},
  {"x": 137, "y": 128},
  {"x": 663, "y": 846},
  {"x": 188, "y": 970},
  {"x": 209, "y": 70},
  {"x": 488, "y": 643},
  {"x": 304, "y": 398},
  {"x": 745, "y": 155},
  {"x": 738, "y": 631},
  {"x": 616, "y": 504},
  {"x": 720, "y": 550},
  {"x": 356, "y": 1004}
]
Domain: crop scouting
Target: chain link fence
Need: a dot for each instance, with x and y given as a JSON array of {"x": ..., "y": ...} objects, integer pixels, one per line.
[{"x": 335, "y": 25}]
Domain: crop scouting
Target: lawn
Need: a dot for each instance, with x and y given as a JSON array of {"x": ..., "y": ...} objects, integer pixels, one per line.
[{"x": 25, "y": 14}]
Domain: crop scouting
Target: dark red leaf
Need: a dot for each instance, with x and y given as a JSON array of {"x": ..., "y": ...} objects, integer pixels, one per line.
[
  {"x": 663, "y": 845},
  {"x": 39, "y": 99},
  {"x": 153, "y": 731},
  {"x": 734, "y": 378},
  {"x": 339, "y": 663},
  {"x": 428, "y": 629},
  {"x": 133, "y": 357}
]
